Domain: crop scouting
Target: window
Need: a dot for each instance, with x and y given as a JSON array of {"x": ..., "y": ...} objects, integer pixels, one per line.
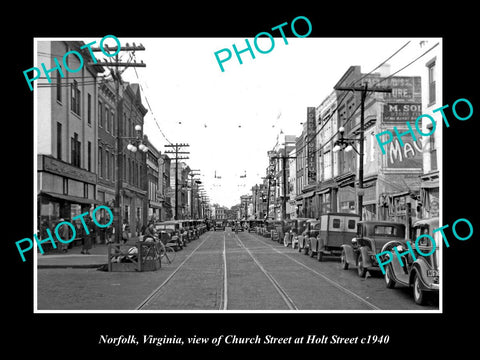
[
  {"x": 112, "y": 163},
  {"x": 107, "y": 118},
  {"x": 107, "y": 164},
  {"x": 59, "y": 87},
  {"x": 75, "y": 97},
  {"x": 85, "y": 190},
  {"x": 431, "y": 82},
  {"x": 100, "y": 161},
  {"x": 100, "y": 114},
  {"x": 65, "y": 186},
  {"x": 336, "y": 223},
  {"x": 59, "y": 141},
  {"x": 327, "y": 165},
  {"x": 75, "y": 150},
  {"x": 351, "y": 224},
  {"x": 388, "y": 230},
  {"x": 89, "y": 109},
  {"x": 112, "y": 117},
  {"x": 89, "y": 156}
]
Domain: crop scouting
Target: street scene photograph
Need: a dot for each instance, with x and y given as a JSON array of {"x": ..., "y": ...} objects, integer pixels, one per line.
[{"x": 273, "y": 173}]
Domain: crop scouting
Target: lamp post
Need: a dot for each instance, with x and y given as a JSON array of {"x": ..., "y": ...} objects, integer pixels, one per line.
[
  {"x": 363, "y": 90},
  {"x": 346, "y": 144},
  {"x": 134, "y": 143}
]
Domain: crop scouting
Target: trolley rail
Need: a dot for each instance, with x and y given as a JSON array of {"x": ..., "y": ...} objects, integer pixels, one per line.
[{"x": 324, "y": 277}]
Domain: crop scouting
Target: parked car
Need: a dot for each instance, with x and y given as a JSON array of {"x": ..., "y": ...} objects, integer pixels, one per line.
[
  {"x": 169, "y": 233},
  {"x": 278, "y": 230},
  {"x": 297, "y": 226},
  {"x": 252, "y": 225},
  {"x": 423, "y": 273},
  {"x": 311, "y": 237},
  {"x": 336, "y": 229},
  {"x": 368, "y": 242}
]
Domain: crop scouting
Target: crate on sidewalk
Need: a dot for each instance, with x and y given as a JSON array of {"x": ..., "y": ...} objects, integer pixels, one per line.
[{"x": 140, "y": 256}]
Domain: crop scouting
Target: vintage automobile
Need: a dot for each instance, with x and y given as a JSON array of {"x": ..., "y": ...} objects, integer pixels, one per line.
[
  {"x": 297, "y": 226},
  {"x": 423, "y": 273},
  {"x": 311, "y": 237},
  {"x": 368, "y": 242},
  {"x": 169, "y": 233},
  {"x": 219, "y": 225},
  {"x": 269, "y": 225},
  {"x": 277, "y": 230},
  {"x": 252, "y": 225},
  {"x": 336, "y": 229}
]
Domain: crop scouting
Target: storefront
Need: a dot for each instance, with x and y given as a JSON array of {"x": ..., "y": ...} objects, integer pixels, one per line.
[
  {"x": 430, "y": 196},
  {"x": 63, "y": 192}
]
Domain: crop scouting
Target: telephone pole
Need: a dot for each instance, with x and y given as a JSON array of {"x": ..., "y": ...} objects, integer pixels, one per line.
[
  {"x": 113, "y": 66},
  {"x": 363, "y": 89},
  {"x": 192, "y": 174},
  {"x": 177, "y": 151}
]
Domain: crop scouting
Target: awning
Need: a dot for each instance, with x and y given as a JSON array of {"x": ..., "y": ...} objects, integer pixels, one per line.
[
  {"x": 324, "y": 191},
  {"x": 73, "y": 199},
  {"x": 429, "y": 184},
  {"x": 308, "y": 194}
]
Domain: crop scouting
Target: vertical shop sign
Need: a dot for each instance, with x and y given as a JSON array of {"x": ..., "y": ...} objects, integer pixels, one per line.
[{"x": 311, "y": 133}]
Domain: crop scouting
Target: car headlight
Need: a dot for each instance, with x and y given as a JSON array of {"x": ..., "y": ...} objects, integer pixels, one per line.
[{"x": 432, "y": 273}]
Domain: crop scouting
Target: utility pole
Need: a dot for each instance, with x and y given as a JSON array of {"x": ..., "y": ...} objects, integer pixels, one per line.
[
  {"x": 363, "y": 89},
  {"x": 117, "y": 77},
  {"x": 177, "y": 151},
  {"x": 192, "y": 174}
]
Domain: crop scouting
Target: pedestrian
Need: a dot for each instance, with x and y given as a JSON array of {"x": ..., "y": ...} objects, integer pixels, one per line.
[
  {"x": 150, "y": 232},
  {"x": 109, "y": 231},
  {"x": 87, "y": 239},
  {"x": 126, "y": 229},
  {"x": 64, "y": 235}
]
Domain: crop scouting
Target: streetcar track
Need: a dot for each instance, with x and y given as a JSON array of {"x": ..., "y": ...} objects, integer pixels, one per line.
[
  {"x": 332, "y": 282},
  {"x": 224, "y": 299},
  {"x": 165, "y": 282},
  {"x": 284, "y": 295}
]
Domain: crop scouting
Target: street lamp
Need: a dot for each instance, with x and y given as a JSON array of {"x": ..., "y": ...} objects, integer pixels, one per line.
[
  {"x": 346, "y": 144},
  {"x": 136, "y": 143}
]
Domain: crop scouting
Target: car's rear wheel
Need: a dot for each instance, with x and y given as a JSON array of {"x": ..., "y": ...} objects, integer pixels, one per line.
[
  {"x": 388, "y": 278},
  {"x": 418, "y": 292},
  {"x": 343, "y": 260}
]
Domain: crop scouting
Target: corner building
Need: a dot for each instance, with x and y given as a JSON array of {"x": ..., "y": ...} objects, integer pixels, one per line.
[
  {"x": 66, "y": 134},
  {"x": 391, "y": 181}
]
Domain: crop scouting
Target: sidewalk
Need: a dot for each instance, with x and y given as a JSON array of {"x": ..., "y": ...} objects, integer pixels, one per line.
[{"x": 74, "y": 259}]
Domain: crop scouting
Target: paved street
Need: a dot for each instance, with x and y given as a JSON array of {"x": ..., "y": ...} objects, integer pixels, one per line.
[{"x": 224, "y": 271}]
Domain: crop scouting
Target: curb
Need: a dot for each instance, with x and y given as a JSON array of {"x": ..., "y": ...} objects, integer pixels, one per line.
[{"x": 69, "y": 266}]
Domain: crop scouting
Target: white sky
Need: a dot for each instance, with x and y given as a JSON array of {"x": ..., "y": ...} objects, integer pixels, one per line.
[{"x": 184, "y": 84}]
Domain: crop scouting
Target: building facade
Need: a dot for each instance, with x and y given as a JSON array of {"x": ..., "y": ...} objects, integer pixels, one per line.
[
  {"x": 390, "y": 181},
  {"x": 432, "y": 96},
  {"x": 134, "y": 200},
  {"x": 67, "y": 135},
  {"x": 154, "y": 177}
]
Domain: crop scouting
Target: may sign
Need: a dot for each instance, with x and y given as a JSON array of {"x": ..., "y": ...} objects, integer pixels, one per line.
[{"x": 408, "y": 156}]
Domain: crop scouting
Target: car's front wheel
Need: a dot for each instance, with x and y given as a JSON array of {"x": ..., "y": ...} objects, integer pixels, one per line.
[{"x": 343, "y": 260}]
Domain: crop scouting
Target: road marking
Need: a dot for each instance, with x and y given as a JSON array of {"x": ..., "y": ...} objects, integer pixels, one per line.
[
  {"x": 154, "y": 292},
  {"x": 224, "y": 303},
  {"x": 290, "y": 303},
  {"x": 332, "y": 282}
]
